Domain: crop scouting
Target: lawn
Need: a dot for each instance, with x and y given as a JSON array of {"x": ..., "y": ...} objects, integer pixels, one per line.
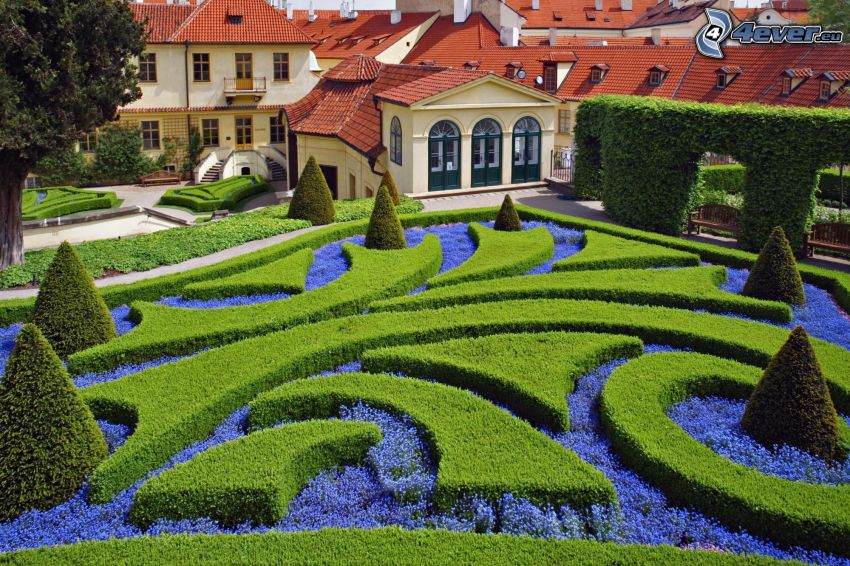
[{"x": 577, "y": 385}]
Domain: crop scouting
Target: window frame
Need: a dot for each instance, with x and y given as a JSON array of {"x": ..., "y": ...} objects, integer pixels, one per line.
[
  {"x": 656, "y": 78},
  {"x": 206, "y": 126},
  {"x": 550, "y": 78},
  {"x": 722, "y": 81},
  {"x": 147, "y": 61},
  {"x": 150, "y": 133},
  {"x": 824, "y": 91},
  {"x": 90, "y": 143},
  {"x": 277, "y": 65},
  {"x": 564, "y": 121},
  {"x": 596, "y": 76},
  {"x": 200, "y": 65},
  {"x": 395, "y": 141},
  {"x": 277, "y": 130}
]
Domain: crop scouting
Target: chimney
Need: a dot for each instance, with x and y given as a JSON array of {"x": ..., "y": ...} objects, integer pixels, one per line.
[
  {"x": 553, "y": 37},
  {"x": 311, "y": 13},
  {"x": 343, "y": 9},
  {"x": 656, "y": 36},
  {"x": 535, "y": 4},
  {"x": 395, "y": 17},
  {"x": 626, "y": 5},
  {"x": 509, "y": 36},
  {"x": 599, "y": 6},
  {"x": 462, "y": 10}
]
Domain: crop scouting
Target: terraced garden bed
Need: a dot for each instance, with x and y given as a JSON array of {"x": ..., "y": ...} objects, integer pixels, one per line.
[
  {"x": 221, "y": 195},
  {"x": 52, "y": 202}
]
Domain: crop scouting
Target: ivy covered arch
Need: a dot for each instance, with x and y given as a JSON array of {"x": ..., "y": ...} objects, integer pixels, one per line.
[{"x": 641, "y": 154}]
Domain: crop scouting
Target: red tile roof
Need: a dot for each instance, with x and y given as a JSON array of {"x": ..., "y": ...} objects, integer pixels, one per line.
[
  {"x": 355, "y": 69},
  {"x": 461, "y": 40},
  {"x": 372, "y": 25},
  {"x": 430, "y": 85},
  {"x": 570, "y": 41},
  {"x": 183, "y": 109},
  {"x": 663, "y": 14},
  {"x": 579, "y": 13},
  {"x": 211, "y": 22}
]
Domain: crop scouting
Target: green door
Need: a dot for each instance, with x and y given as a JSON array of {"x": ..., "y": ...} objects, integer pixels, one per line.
[
  {"x": 444, "y": 157},
  {"x": 486, "y": 153},
  {"x": 526, "y": 158}
]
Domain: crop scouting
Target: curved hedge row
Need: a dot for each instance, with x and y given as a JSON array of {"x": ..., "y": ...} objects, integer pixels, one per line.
[
  {"x": 499, "y": 254},
  {"x": 253, "y": 478},
  {"x": 532, "y": 374},
  {"x": 285, "y": 275},
  {"x": 224, "y": 194},
  {"x": 686, "y": 288},
  {"x": 61, "y": 201},
  {"x": 634, "y": 401},
  {"x": 603, "y": 251},
  {"x": 480, "y": 449}
]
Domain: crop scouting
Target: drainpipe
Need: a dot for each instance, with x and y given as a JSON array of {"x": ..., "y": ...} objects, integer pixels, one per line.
[{"x": 186, "y": 77}]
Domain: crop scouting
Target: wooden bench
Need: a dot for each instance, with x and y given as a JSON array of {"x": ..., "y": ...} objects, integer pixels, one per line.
[
  {"x": 716, "y": 216},
  {"x": 833, "y": 236},
  {"x": 160, "y": 178}
]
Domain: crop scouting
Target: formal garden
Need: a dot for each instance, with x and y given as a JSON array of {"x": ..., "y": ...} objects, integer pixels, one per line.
[{"x": 481, "y": 385}]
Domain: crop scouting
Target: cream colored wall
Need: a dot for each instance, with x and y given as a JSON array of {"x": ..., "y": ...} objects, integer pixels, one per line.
[
  {"x": 132, "y": 224},
  {"x": 335, "y": 153},
  {"x": 565, "y": 140},
  {"x": 446, "y": 7},
  {"x": 328, "y": 63},
  {"x": 396, "y": 52}
]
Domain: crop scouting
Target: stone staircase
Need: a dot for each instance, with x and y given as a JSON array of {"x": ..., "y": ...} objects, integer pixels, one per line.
[
  {"x": 213, "y": 174},
  {"x": 278, "y": 173}
]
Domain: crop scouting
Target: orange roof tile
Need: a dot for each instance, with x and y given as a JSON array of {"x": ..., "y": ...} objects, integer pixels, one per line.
[
  {"x": 662, "y": 14},
  {"x": 161, "y": 20},
  {"x": 460, "y": 40},
  {"x": 570, "y": 41},
  {"x": 430, "y": 85},
  {"x": 579, "y": 13},
  {"x": 355, "y": 69}
]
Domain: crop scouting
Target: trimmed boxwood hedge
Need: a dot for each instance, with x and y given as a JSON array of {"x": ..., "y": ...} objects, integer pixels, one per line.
[
  {"x": 480, "y": 449},
  {"x": 499, "y": 254},
  {"x": 603, "y": 251},
  {"x": 61, "y": 201},
  {"x": 634, "y": 401},
  {"x": 726, "y": 178},
  {"x": 253, "y": 478},
  {"x": 224, "y": 194}
]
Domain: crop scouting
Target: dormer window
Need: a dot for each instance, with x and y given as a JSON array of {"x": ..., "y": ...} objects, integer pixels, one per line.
[
  {"x": 598, "y": 72},
  {"x": 792, "y": 78},
  {"x": 825, "y": 91},
  {"x": 831, "y": 82},
  {"x": 234, "y": 19},
  {"x": 721, "y": 80},
  {"x": 512, "y": 68},
  {"x": 725, "y": 76},
  {"x": 657, "y": 74},
  {"x": 786, "y": 86},
  {"x": 550, "y": 78}
]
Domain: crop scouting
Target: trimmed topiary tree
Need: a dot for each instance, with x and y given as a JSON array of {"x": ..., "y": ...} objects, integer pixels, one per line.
[
  {"x": 385, "y": 231},
  {"x": 312, "y": 199},
  {"x": 507, "y": 220},
  {"x": 388, "y": 182},
  {"x": 774, "y": 276},
  {"x": 69, "y": 311},
  {"x": 49, "y": 440},
  {"x": 791, "y": 403}
]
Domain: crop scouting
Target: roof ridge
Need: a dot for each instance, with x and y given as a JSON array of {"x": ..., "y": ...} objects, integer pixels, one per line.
[{"x": 189, "y": 18}]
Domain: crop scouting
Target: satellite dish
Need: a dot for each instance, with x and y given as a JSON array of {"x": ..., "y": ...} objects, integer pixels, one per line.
[
  {"x": 538, "y": 80},
  {"x": 520, "y": 74}
]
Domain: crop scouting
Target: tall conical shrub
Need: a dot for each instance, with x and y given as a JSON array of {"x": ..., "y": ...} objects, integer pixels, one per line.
[
  {"x": 774, "y": 276},
  {"x": 49, "y": 440},
  {"x": 507, "y": 220},
  {"x": 69, "y": 311},
  {"x": 385, "y": 231},
  {"x": 791, "y": 403},
  {"x": 312, "y": 199},
  {"x": 388, "y": 182}
]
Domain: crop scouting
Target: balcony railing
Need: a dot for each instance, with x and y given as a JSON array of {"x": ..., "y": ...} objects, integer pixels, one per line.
[{"x": 248, "y": 86}]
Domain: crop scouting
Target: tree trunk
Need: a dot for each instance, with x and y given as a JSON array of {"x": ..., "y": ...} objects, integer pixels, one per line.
[{"x": 11, "y": 232}]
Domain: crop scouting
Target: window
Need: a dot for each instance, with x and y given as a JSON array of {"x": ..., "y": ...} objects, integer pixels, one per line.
[
  {"x": 721, "y": 80},
  {"x": 201, "y": 66},
  {"x": 147, "y": 67},
  {"x": 563, "y": 121},
  {"x": 655, "y": 78},
  {"x": 550, "y": 78},
  {"x": 395, "y": 140},
  {"x": 786, "y": 85},
  {"x": 596, "y": 75},
  {"x": 825, "y": 90},
  {"x": 209, "y": 132},
  {"x": 281, "y": 66},
  {"x": 277, "y": 132},
  {"x": 234, "y": 19},
  {"x": 244, "y": 65},
  {"x": 150, "y": 134},
  {"x": 88, "y": 143}
]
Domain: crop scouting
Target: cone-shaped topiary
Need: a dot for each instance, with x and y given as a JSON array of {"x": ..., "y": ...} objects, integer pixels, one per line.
[
  {"x": 791, "y": 403},
  {"x": 507, "y": 220},
  {"x": 312, "y": 199},
  {"x": 69, "y": 311},
  {"x": 774, "y": 276},
  {"x": 49, "y": 440},
  {"x": 385, "y": 231},
  {"x": 388, "y": 182}
]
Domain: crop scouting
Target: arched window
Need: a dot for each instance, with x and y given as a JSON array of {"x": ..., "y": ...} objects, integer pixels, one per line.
[
  {"x": 444, "y": 156},
  {"x": 395, "y": 140},
  {"x": 486, "y": 153},
  {"x": 526, "y": 165}
]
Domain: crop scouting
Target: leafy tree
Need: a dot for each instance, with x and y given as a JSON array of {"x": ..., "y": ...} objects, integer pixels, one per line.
[
  {"x": 385, "y": 231},
  {"x": 312, "y": 199},
  {"x": 119, "y": 157},
  {"x": 774, "y": 276},
  {"x": 65, "y": 65},
  {"x": 67, "y": 167},
  {"x": 832, "y": 15},
  {"x": 49, "y": 440},
  {"x": 388, "y": 182},
  {"x": 194, "y": 148},
  {"x": 507, "y": 220}
]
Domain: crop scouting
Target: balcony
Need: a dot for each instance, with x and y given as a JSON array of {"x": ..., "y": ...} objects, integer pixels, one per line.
[{"x": 234, "y": 86}]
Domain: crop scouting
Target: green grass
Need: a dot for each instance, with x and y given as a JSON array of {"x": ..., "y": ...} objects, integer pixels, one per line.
[
  {"x": 224, "y": 194},
  {"x": 532, "y": 374},
  {"x": 499, "y": 254},
  {"x": 480, "y": 449},
  {"x": 686, "y": 288},
  {"x": 603, "y": 251},
  {"x": 254, "y": 477},
  {"x": 375, "y": 546},
  {"x": 286, "y": 275},
  {"x": 61, "y": 201},
  {"x": 634, "y": 401}
]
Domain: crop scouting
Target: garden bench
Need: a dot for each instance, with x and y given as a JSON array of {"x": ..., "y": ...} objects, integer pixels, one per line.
[
  {"x": 833, "y": 236},
  {"x": 219, "y": 214},
  {"x": 716, "y": 216},
  {"x": 160, "y": 178}
]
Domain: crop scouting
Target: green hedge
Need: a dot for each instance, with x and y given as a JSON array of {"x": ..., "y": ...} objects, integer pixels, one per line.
[
  {"x": 224, "y": 194},
  {"x": 164, "y": 330},
  {"x": 61, "y": 201},
  {"x": 634, "y": 401},
  {"x": 603, "y": 251},
  {"x": 332, "y": 547},
  {"x": 499, "y": 254},
  {"x": 480, "y": 448},
  {"x": 830, "y": 185},
  {"x": 169, "y": 408},
  {"x": 729, "y": 179},
  {"x": 285, "y": 275},
  {"x": 532, "y": 374},
  {"x": 642, "y": 154},
  {"x": 253, "y": 478},
  {"x": 687, "y": 288}
]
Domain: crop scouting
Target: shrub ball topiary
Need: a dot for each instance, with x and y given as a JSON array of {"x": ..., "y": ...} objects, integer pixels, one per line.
[
  {"x": 312, "y": 199},
  {"x": 69, "y": 311},
  {"x": 388, "y": 182},
  {"x": 385, "y": 231},
  {"x": 49, "y": 440},
  {"x": 791, "y": 403},
  {"x": 774, "y": 276},
  {"x": 507, "y": 220}
]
